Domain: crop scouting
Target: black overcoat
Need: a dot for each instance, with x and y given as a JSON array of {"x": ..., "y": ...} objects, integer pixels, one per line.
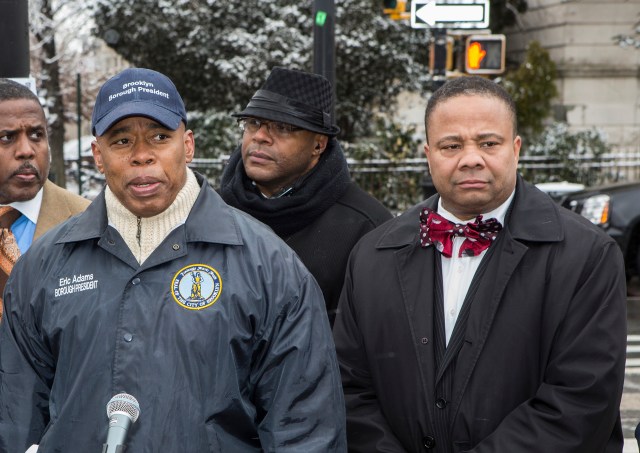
[
  {"x": 324, "y": 245},
  {"x": 542, "y": 365}
]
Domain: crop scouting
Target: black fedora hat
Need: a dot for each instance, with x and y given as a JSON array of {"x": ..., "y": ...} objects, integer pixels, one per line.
[{"x": 294, "y": 97}]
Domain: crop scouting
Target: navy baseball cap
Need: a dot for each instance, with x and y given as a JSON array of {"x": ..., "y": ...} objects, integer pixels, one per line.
[{"x": 137, "y": 92}]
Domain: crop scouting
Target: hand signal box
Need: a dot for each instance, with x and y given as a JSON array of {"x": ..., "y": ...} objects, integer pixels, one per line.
[{"x": 485, "y": 54}]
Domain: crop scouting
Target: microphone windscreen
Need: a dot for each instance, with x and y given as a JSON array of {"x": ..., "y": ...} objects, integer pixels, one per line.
[{"x": 123, "y": 402}]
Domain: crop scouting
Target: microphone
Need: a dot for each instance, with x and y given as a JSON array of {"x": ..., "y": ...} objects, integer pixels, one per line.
[{"x": 122, "y": 410}]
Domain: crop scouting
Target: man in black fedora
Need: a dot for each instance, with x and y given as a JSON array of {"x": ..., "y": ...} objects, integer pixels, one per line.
[{"x": 290, "y": 173}]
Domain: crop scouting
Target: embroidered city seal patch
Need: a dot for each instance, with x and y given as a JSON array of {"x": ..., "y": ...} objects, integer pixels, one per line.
[{"x": 196, "y": 286}]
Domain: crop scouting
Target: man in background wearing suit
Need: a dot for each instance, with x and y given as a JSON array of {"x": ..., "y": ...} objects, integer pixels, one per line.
[{"x": 29, "y": 203}]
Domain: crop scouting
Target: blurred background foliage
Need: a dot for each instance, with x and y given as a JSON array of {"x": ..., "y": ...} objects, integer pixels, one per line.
[{"x": 218, "y": 53}]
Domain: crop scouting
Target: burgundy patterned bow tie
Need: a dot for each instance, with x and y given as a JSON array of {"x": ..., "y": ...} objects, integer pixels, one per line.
[{"x": 437, "y": 231}]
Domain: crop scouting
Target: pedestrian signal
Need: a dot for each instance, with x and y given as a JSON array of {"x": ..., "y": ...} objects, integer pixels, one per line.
[{"x": 485, "y": 54}]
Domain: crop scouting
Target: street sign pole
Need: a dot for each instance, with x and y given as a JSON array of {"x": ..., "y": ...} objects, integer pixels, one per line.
[
  {"x": 324, "y": 13},
  {"x": 439, "y": 73},
  {"x": 14, "y": 39},
  {"x": 79, "y": 123}
]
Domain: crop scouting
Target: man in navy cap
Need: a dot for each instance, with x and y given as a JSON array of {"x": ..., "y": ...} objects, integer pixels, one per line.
[
  {"x": 160, "y": 291},
  {"x": 290, "y": 173}
]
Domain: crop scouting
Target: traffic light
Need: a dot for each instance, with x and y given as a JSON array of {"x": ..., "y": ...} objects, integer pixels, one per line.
[
  {"x": 485, "y": 54},
  {"x": 396, "y": 9},
  {"x": 441, "y": 60}
]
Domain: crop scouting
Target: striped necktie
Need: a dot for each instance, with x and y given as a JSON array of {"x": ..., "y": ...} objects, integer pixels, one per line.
[{"x": 9, "y": 251}]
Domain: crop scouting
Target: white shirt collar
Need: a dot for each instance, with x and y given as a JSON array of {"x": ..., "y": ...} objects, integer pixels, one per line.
[
  {"x": 30, "y": 208},
  {"x": 498, "y": 213}
]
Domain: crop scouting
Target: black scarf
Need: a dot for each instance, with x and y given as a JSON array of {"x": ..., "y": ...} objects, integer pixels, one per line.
[{"x": 325, "y": 184}]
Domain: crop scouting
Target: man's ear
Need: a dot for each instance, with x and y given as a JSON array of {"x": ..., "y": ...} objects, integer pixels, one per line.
[
  {"x": 97, "y": 155},
  {"x": 189, "y": 145},
  {"x": 320, "y": 144}
]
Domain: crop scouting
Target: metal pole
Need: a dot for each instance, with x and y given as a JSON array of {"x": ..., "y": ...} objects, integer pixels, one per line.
[
  {"x": 14, "y": 39},
  {"x": 439, "y": 58},
  {"x": 324, "y": 13},
  {"x": 79, "y": 113}
]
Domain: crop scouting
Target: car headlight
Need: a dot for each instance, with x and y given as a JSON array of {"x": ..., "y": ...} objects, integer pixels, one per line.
[{"x": 596, "y": 209}]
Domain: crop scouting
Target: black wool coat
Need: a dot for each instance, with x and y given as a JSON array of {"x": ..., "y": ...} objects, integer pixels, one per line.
[
  {"x": 541, "y": 368},
  {"x": 324, "y": 245}
]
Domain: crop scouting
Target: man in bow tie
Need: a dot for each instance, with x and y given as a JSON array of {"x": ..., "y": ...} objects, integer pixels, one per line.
[{"x": 485, "y": 319}]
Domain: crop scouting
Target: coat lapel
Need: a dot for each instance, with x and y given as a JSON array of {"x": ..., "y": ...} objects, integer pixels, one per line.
[
  {"x": 57, "y": 206},
  {"x": 416, "y": 275},
  {"x": 415, "y": 269}
]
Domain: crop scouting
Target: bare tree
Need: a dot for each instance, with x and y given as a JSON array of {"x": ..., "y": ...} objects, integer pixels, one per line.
[
  {"x": 60, "y": 41},
  {"x": 43, "y": 30}
]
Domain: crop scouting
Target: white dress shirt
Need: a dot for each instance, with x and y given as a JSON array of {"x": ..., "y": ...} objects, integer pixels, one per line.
[{"x": 458, "y": 271}]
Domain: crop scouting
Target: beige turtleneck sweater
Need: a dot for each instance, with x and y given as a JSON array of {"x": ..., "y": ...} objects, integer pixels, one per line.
[{"x": 144, "y": 234}]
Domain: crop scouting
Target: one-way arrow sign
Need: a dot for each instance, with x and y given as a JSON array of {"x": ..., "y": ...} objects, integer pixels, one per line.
[{"x": 450, "y": 14}]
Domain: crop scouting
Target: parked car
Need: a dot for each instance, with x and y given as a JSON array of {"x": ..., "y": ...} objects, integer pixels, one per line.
[
  {"x": 616, "y": 209},
  {"x": 92, "y": 179},
  {"x": 559, "y": 190}
]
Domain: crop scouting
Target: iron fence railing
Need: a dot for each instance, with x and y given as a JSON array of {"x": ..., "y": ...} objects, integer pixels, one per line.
[
  {"x": 401, "y": 183},
  {"x": 590, "y": 171}
]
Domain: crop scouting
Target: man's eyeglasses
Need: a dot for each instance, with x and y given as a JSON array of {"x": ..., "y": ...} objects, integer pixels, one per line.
[{"x": 275, "y": 128}]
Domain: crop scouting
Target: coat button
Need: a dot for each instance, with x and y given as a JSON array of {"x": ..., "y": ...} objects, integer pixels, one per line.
[
  {"x": 429, "y": 442},
  {"x": 128, "y": 337},
  {"x": 135, "y": 281},
  {"x": 175, "y": 247},
  {"x": 441, "y": 403},
  {"x": 424, "y": 340}
]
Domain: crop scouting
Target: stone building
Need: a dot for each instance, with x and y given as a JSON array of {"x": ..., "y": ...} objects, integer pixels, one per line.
[{"x": 598, "y": 80}]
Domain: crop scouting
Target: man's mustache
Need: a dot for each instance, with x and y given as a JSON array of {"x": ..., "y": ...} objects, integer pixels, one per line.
[{"x": 27, "y": 168}]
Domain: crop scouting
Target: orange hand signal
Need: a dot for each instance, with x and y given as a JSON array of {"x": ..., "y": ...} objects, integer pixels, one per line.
[{"x": 475, "y": 55}]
